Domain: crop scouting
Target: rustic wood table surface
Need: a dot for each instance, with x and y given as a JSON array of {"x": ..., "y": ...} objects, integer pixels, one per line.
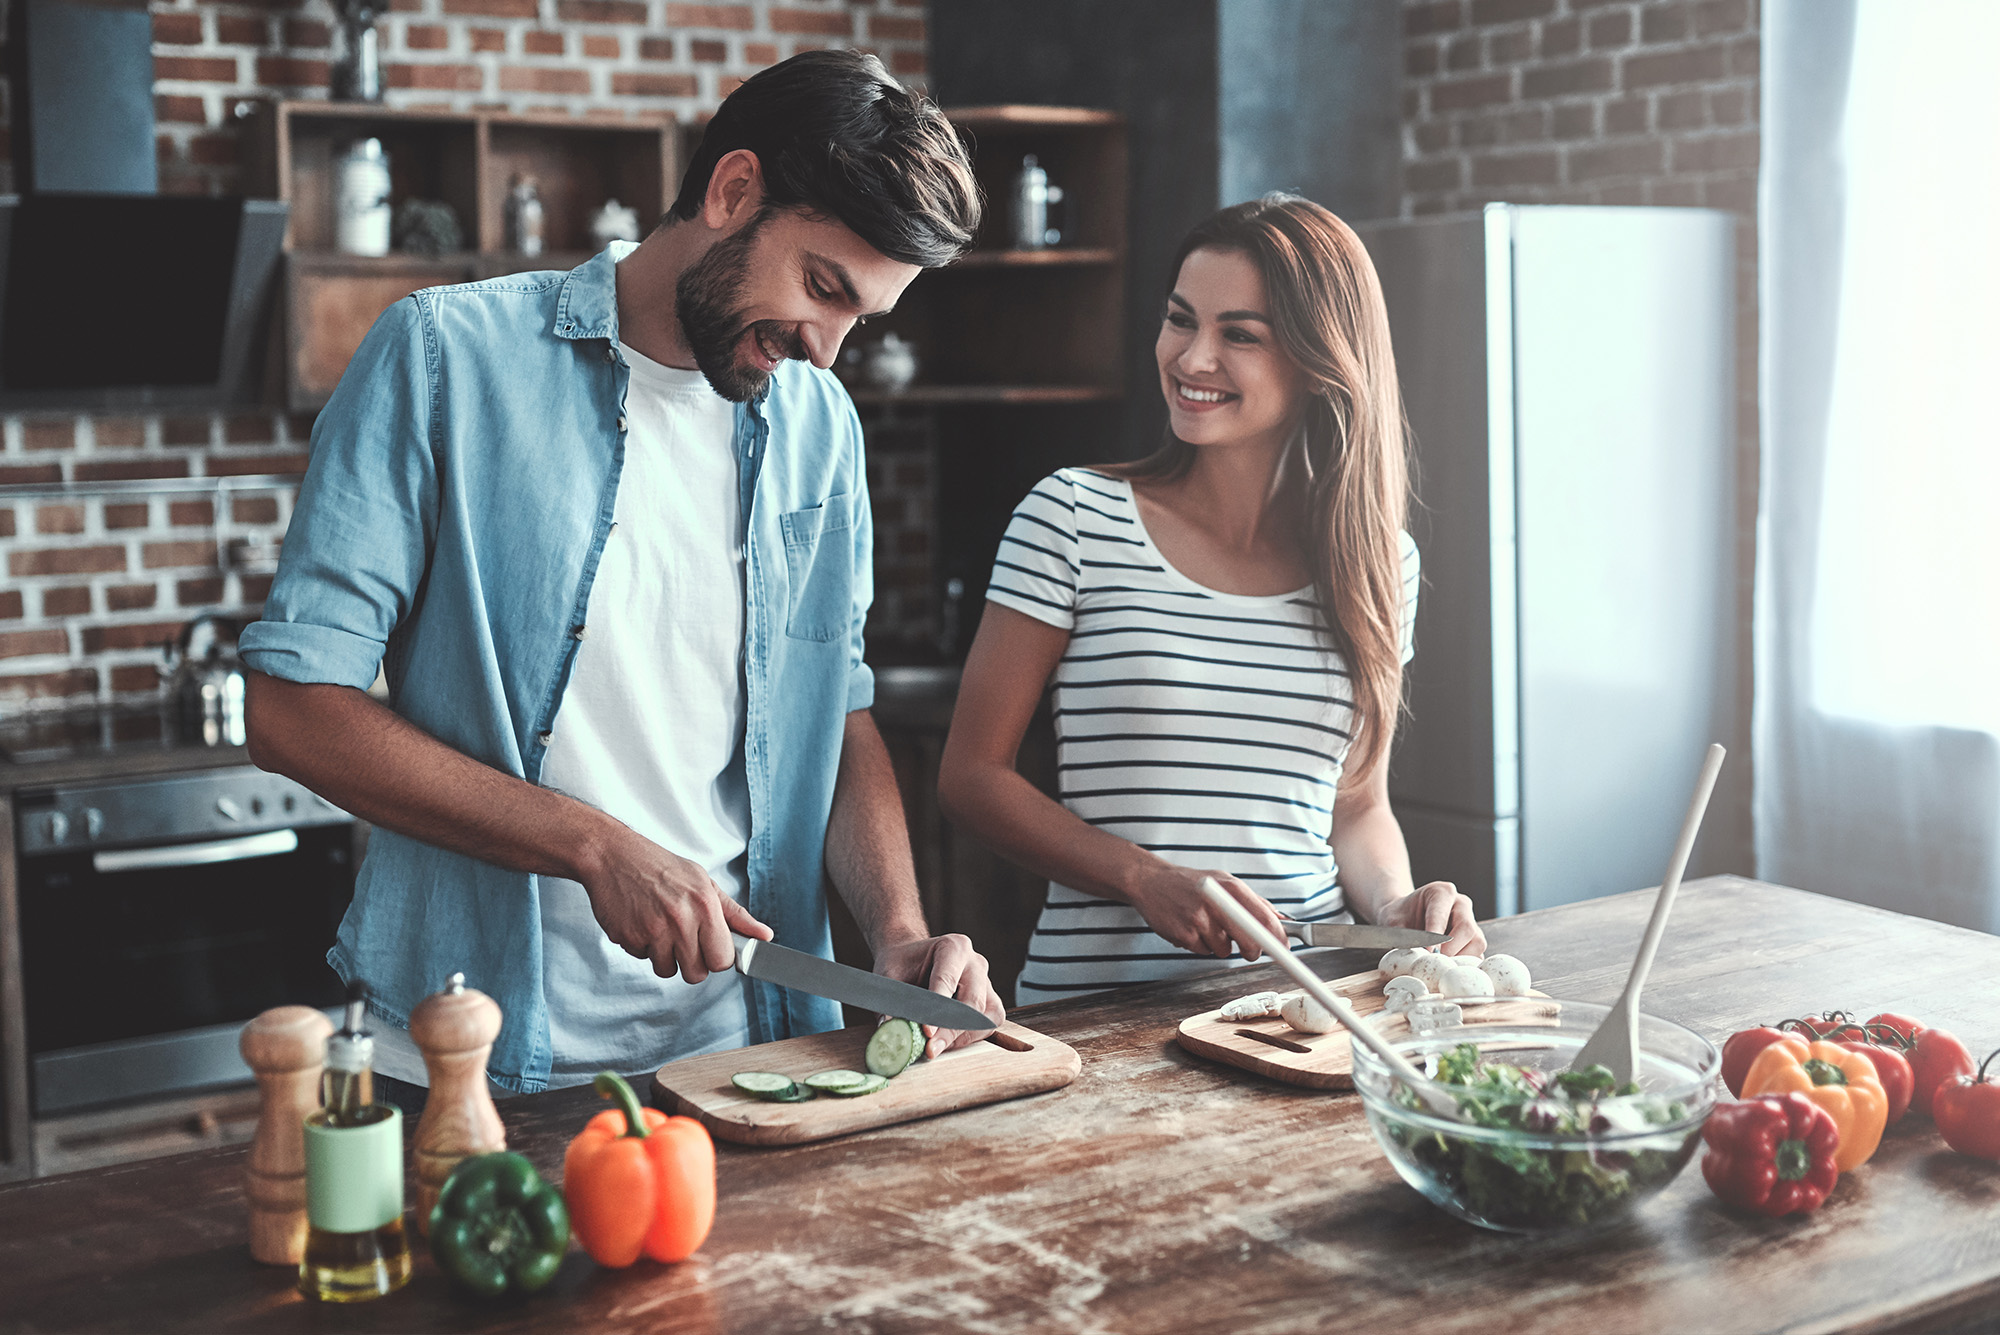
[{"x": 1163, "y": 1193}]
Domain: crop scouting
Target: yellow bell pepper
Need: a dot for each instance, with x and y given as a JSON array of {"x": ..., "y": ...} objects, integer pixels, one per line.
[{"x": 1838, "y": 1079}]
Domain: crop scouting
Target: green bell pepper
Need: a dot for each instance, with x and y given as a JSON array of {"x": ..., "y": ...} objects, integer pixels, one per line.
[{"x": 498, "y": 1228}]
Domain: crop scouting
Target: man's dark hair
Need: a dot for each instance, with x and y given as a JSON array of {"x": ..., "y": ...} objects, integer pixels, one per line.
[{"x": 838, "y": 137}]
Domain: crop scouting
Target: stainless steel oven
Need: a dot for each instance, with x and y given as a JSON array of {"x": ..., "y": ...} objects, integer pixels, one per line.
[{"x": 158, "y": 915}]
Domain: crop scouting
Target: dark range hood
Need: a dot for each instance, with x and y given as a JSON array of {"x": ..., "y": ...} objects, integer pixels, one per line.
[{"x": 111, "y": 294}]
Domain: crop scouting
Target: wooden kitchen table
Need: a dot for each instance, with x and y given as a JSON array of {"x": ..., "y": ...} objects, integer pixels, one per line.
[{"x": 1162, "y": 1193}]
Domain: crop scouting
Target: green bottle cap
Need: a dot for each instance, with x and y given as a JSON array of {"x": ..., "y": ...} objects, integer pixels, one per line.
[{"x": 354, "y": 1174}]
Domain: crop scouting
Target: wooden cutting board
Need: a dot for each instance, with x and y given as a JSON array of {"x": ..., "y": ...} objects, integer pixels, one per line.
[
  {"x": 1326, "y": 1061},
  {"x": 1011, "y": 1062}
]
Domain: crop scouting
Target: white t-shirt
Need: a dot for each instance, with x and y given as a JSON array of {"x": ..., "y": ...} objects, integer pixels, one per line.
[{"x": 651, "y": 732}]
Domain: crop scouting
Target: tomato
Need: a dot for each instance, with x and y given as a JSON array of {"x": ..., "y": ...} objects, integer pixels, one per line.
[
  {"x": 1740, "y": 1050},
  {"x": 1967, "y": 1109},
  {"x": 1898, "y": 1080},
  {"x": 1937, "y": 1058},
  {"x": 1904, "y": 1027}
]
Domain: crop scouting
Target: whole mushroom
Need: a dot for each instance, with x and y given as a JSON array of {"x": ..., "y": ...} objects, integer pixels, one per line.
[
  {"x": 1509, "y": 975},
  {"x": 1398, "y": 963},
  {"x": 1431, "y": 968},
  {"x": 1466, "y": 980}
]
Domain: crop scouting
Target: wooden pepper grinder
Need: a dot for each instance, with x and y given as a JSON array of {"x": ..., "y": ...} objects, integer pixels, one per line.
[
  {"x": 285, "y": 1047},
  {"x": 455, "y": 1030}
]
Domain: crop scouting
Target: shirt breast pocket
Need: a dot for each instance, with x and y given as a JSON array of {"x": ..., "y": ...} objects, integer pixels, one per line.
[{"x": 819, "y": 565}]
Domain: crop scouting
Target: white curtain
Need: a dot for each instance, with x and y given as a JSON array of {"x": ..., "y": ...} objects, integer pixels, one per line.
[{"x": 1878, "y": 581}]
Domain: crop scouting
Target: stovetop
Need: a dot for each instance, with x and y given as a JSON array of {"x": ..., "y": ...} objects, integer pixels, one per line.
[{"x": 34, "y": 738}]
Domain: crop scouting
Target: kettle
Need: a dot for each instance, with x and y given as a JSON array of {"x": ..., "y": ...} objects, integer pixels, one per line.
[{"x": 206, "y": 688}]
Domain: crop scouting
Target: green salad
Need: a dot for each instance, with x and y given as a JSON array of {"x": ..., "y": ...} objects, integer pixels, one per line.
[{"x": 1528, "y": 1183}]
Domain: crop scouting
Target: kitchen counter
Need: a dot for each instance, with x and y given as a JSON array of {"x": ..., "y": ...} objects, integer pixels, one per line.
[{"x": 1162, "y": 1193}]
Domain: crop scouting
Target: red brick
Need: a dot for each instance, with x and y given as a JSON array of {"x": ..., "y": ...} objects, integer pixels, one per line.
[
  {"x": 1560, "y": 38},
  {"x": 459, "y": 78},
  {"x": 254, "y": 509},
  {"x": 213, "y": 150},
  {"x": 1500, "y": 169},
  {"x": 895, "y": 28},
  {"x": 198, "y": 592},
  {"x": 129, "y": 597},
  {"x": 1479, "y": 132},
  {"x": 251, "y": 429},
  {"x": 71, "y": 600},
  {"x": 138, "y": 635},
  {"x": 231, "y": 30},
  {"x": 59, "y": 519},
  {"x": 135, "y": 677},
  {"x": 245, "y": 465},
  {"x": 134, "y": 515},
  {"x": 1434, "y": 16},
  {"x": 1692, "y": 65},
  {"x": 50, "y": 685},
  {"x": 186, "y": 430},
  {"x": 180, "y": 110},
  {"x": 1738, "y": 195},
  {"x": 65, "y": 561},
  {"x": 1510, "y": 47},
  {"x": 13, "y": 473},
  {"x": 542, "y": 43},
  {"x": 23, "y": 643},
  {"x": 489, "y": 39},
  {"x": 1481, "y": 91},
  {"x": 1420, "y": 59},
  {"x": 727, "y": 84},
  {"x": 56, "y": 435},
  {"x": 1674, "y": 194},
  {"x": 299, "y": 427},
  {"x": 1607, "y": 30},
  {"x": 118, "y": 433},
  {"x": 177, "y": 29},
  {"x": 1591, "y": 75},
  {"x": 1663, "y": 23},
  {"x": 1464, "y": 52},
  {"x": 1444, "y": 174},
  {"x": 1628, "y": 115},
  {"x": 600, "y": 11},
  {"x": 1745, "y": 56},
  {"x": 308, "y": 33},
  {"x": 11, "y": 606},
  {"x": 1487, "y": 13},
  {"x": 598, "y": 46},
  {"x": 736, "y": 18},
  {"x": 1640, "y": 159},
  {"x": 760, "y": 53},
  {"x": 291, "y": 72},
  {"x": 907, "y": 62},
  {"x": 499, "y": 9},
  {"x": 1716, "y": 153},
  {"x": 1731, "y": 106},
  {"x": 1721, "y": 16},
  {"x": 1432, "y": 136},
  {"x": 126, "y": 469},
  {"x": 425, "y": 37},
  {"x": 542, "y": 79},
  {"x": 256, "y": 588},
  {"x": 163, "y": 555},
  {"x": 706, "y": 50},
  {"x": 190, "y": 514},
  {"x": 6, "y": 521},
  {"x": 1575, "y": 120},
  {"x": 195, "y": 69},
  {"x": 653, "y": 85}
]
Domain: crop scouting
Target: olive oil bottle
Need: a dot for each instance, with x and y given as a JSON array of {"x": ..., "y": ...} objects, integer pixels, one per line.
[{"x": 355, "y": 1244}]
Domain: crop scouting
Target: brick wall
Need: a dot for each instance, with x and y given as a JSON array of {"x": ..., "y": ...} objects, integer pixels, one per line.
[
  {"x": 1604, "y": 102},
  {"x": 93, "y": 583}
]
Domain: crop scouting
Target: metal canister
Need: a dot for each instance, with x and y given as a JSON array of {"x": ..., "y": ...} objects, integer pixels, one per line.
[
  {"x": 1028, "y": 207},
  {"x": 361, "y": 209}
]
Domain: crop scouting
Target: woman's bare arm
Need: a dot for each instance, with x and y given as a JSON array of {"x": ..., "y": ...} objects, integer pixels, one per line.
[{"x": 1374, "y": 867}]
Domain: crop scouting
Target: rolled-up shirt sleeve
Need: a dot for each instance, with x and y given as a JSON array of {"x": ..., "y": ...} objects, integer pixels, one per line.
[{"x": 361, "y": 533}]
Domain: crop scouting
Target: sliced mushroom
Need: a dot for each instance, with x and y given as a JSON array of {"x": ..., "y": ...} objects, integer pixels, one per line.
[
  {"x": 1307, "y": 1016},
  {"x": 1256, "y": 1006}
]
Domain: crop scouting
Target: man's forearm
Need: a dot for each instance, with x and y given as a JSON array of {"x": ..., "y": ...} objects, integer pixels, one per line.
[
  {"x": 868, "y": 841},
  {"x": 363, "y": 757}
]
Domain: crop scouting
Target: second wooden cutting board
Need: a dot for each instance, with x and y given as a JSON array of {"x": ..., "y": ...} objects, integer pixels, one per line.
[
  {"x": 1011, "y": 1062},
  {"x": 1326, "y": 1061}
]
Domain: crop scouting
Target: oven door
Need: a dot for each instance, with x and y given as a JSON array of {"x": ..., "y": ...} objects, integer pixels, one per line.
[{"x": 141, "y": 965}]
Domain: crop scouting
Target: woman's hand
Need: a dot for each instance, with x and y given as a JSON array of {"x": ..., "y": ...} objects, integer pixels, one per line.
[
  {"x": 1437, "y": 907},
  {"x": 1170, "y": 900}
]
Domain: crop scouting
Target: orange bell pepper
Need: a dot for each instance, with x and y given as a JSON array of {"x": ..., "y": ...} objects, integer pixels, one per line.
[
  {"x": 638, "y": 1180},
  {"x": 1838, "y": 1079}
]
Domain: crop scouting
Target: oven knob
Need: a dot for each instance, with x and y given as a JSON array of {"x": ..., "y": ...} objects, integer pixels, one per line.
[
  {"x": 228, "y": 808},
  {"x": 57, "y": 827},
  {"x": 93, "y": 822}
]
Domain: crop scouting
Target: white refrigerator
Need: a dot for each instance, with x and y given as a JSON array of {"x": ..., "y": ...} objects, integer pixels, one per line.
[{"x": 1570, "y": 383}]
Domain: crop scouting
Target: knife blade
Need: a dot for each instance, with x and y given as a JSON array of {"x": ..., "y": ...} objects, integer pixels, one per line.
[
  {"x": 773, "y": 963},
  {"x": 1363, "y": 935}
]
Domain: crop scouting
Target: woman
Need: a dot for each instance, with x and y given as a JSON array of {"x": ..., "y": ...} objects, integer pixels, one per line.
[{"x": 1225, "y": 623}]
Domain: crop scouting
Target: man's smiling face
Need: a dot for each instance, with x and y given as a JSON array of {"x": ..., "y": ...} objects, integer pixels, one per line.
[{"x": 785, "y": 284}]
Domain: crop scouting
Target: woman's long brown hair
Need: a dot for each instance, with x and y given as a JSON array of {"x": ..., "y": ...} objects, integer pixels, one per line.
[{"x": 1329, "y": 318}]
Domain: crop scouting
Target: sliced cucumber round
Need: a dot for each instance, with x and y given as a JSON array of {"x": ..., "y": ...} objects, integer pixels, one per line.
[
  {"x": 894, "y": 1045},
  {"x": 868, "y": 1085},
  {"x": 796, "y": 1094},
  {"x": 768, "y": 1085},
  {"x": 837, "y": 1081}
]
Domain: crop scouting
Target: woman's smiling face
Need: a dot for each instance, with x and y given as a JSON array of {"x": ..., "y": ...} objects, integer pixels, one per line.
[{"x": 1225, "y": 379}]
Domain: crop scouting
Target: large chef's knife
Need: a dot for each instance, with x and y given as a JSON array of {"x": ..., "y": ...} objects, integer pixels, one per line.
[
  {"x": 795, "y": 969},
  {"x": 1360, "y": 934}
]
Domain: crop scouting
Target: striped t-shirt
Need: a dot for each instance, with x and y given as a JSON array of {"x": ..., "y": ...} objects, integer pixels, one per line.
[{"x": 1209, "y": 728}]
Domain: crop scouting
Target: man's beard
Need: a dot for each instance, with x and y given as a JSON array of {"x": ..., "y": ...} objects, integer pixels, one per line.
[{"x": 706, "y": 301}]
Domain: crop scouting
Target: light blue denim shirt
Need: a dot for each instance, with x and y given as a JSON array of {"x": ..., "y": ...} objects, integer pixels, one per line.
[{"x": 448, "y": 529}]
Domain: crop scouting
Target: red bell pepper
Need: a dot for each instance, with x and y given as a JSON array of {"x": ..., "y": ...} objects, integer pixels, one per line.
[
  {"x": 1740, "y": 1050},
  {"x": 1773, "y": 1155},
  {"x": 1882, "y": 1046},
  {"x": 1967, "y": 1109}
]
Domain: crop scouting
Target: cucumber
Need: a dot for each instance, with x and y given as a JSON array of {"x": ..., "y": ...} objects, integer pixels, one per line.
[
  {"x": 770, "y": 1085},
  {"x": 868, "y": 1085},
  {"x": 837, "y": 1081},
  {"x": 894, "y": 1045}
]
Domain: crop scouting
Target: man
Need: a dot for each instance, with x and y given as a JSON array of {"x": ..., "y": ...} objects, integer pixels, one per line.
[{"x": 610, "y": 544}]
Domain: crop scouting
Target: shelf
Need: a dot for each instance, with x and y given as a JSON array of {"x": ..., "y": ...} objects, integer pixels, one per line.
[
  {"x": 946, "y": 395},
  {"x": 484, "y": 263},
  {"x": 1053, "y": 257},
  {"x": 1008, "y": 116}
]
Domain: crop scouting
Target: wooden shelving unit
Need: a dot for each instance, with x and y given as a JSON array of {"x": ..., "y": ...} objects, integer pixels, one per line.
[{"x": 465, "y": 159}]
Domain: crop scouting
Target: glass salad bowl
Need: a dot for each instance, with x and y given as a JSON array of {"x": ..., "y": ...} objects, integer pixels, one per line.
[{"x": 1538, "y": 1154}]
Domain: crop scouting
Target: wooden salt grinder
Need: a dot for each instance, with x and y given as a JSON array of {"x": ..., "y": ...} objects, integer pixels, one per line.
[
  {"x": 285, "y": 1047},
  {"x": 455, "y": 1029}
]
